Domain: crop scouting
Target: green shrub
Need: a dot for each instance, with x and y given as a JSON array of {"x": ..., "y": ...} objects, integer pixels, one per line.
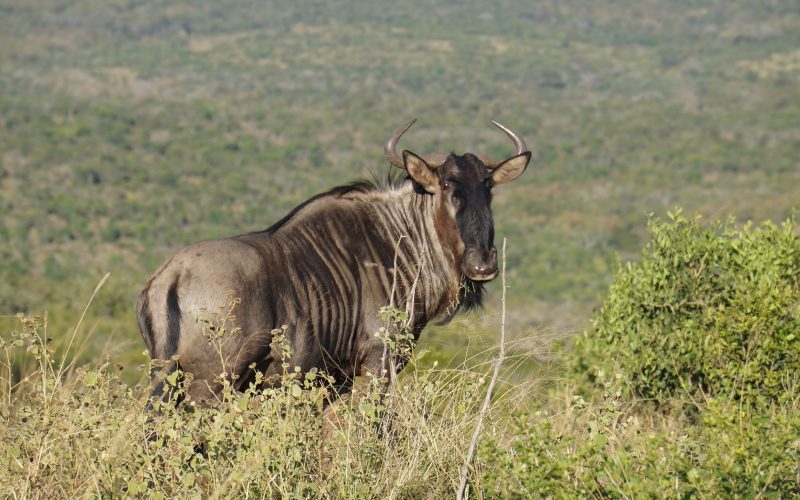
[
  {"x": 612, "y": 449},
  {"x": 747, "y": 452},
  {"x": 539, "y": 460},
  {"x": 709, "y": 308}
]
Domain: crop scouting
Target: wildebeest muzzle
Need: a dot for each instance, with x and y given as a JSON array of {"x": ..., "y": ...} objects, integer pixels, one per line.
[{"x": 480, "y": 264}]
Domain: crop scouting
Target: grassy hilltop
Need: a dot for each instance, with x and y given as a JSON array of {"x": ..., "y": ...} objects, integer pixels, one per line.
[{"x": 130, "y": 128}]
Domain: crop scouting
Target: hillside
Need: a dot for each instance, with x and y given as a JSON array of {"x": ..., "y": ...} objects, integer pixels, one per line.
[{"x": 130, "y": 128}]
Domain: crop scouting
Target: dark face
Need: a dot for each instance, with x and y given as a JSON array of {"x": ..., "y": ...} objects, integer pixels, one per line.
[
  {"x": 465, "y": 184},
  {"x": 466, "y": 187}
]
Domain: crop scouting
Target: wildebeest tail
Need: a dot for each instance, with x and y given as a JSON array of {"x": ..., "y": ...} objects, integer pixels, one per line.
[
  {"x": 173, "y": 323},
  {"x": 166, "y": 348},
  {"x": 145, "y": 320}
]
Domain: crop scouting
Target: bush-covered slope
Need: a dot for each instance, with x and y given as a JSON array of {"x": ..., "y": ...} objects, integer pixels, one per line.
[{"x": 131, "y": 128}]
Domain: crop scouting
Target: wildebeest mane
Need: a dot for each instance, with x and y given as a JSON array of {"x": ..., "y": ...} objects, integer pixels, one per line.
[
  {"x": 375, "y": 184},
  {"x": 471, "y": 294}
]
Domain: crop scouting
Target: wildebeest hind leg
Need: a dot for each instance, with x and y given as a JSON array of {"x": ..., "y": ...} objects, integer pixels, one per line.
[
  {"x": 162, "y": 390},
  {"x": 203, "y": 393}
]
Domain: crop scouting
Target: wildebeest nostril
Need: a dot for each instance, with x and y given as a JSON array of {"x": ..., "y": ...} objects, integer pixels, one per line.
[
  {"x": 480, "y": 262},
  {"x": 489, "y": 259}
]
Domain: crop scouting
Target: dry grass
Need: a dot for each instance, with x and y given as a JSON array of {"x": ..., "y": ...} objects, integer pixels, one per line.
[{"x": 74, "y": 431}]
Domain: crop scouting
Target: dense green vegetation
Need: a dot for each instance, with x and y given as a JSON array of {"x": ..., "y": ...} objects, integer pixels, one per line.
[{"x": 129, "y": 128}]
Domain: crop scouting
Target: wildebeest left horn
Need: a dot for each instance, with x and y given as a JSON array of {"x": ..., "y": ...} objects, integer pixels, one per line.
[
  {"x": 390, "y": 148},
  {"x": 519, "y": 142}
]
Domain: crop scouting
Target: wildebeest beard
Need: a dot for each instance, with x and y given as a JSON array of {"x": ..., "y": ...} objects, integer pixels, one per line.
[{"x": 470, "y": 296}]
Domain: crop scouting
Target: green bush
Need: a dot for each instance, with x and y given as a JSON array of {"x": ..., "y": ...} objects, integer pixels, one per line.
[
  {"x": 539, "y": 460},
  {"x": 611, "y": 449},
  {"x": 709, "y": 308},
  {"x": 748, "y": 453}
]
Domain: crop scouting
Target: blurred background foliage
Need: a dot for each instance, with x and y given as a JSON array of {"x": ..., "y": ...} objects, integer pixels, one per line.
[{"x": 129, "y": 128}]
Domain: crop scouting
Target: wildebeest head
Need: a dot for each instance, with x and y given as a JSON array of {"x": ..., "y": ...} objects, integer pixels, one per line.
[{"x": 465, "y": 184}]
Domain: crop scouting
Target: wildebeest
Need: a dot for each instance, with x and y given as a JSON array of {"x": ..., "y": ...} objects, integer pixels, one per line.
[{"x": 423, "y": 242}]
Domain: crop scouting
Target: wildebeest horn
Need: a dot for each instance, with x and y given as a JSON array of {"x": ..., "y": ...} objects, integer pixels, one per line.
[
  {"x": 519, "y": 142},
  {"x": 389, "y": 149},
  {"x": 435, "y": 160}
]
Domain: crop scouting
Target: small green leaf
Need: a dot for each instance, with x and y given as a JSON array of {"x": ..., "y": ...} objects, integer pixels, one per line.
[{"x": 91, "y": 378}]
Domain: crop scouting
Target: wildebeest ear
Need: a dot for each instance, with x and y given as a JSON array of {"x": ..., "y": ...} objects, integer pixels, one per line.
[
  {"x": 421, "y": 172},
  {"x": 510, "y": 169}
]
